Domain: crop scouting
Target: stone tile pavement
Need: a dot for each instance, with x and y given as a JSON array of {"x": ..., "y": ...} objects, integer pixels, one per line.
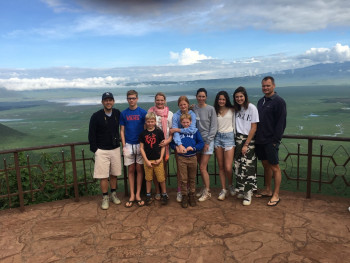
[{"x": 297, "y": 230}]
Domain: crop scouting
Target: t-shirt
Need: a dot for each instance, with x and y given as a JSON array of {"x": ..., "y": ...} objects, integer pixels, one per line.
[
  {"x": 133, "y": 122},
  {"x": 151, "y": 141},
  {"x": 245, "y": 117}
]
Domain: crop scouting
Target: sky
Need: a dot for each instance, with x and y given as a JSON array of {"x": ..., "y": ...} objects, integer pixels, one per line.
[{"x": 105, "y": 43}]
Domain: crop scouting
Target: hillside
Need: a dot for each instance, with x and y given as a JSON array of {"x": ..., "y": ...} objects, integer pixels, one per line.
[{"x": 7, "y": 132}]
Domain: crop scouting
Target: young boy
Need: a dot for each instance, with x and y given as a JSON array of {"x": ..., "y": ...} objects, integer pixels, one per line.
[
  {"x": 132, "y": 121},
  {"x": 153, "y": 155},
  {"x": 187, "y": 161}
]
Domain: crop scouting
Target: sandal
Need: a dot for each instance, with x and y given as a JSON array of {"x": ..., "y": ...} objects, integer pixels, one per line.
[
  {"x": 140, "y": 203},
  {"x": 273, "y": 203},
  {"x": 129, "y": 203},
  {"x": 157, "y": 197}
]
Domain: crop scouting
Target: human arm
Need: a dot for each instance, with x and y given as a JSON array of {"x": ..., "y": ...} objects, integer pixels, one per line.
[
  {"x": 249, "y": 138},
  {"x": 143, "y": 153},
  {"x": 162, "y": 151},
  {"x": 92, "y": 134},
  {"x": 280, "y": 115},
  {"x": 199, "y": 142}
]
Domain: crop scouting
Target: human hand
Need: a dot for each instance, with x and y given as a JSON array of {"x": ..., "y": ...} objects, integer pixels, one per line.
[
  {"x": 189, "y": 148},
  {"x": 205, "y": 148},
  {"x": 148, "y": 163},
  {"x": 181, "y": 149}
]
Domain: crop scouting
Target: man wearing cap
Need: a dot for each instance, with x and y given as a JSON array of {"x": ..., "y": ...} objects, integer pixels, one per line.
[{"x": 104, "y": 141}]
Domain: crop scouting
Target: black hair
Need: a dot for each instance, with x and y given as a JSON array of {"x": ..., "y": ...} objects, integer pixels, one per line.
[
  {"x": 269, "y": 78},
  {"x": 228, "y": 103},
  {"x": 202, "y": 90},
  {"x": 246, "y": 101}
]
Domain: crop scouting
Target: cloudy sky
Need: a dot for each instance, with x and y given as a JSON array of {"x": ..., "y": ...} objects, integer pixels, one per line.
[{"x": 104, "y": 43}]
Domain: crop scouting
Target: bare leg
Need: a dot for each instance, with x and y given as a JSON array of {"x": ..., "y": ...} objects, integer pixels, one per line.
[
  {"x": 228, "y": 159},
  {"x": 219, "y": 152},
  {"x": 113, "y": 181},
  {"x": 139, "y": 180},
  {"x": 203, "y": 168},
  {"x": 268, "y": 173},
  {"x": 104, "y": 185},
  {"x": 277, "y": 178},
  {"x": 131, "y": 176}
]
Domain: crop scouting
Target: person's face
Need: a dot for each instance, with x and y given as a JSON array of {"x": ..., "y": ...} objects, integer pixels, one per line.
[
  {"x": 132, "y": 100},
  {"x": 108, "y": 103},
  {"x": 222, "y": 101},
  {"x": 183, "y": 105},
  {"x": 201, "y": 98},
  {"x": 268, "y": 88},
  {"x": 150, "y": 123},
  {"x": 239, "y": 98},
  {"x": 160, "y": 102},
  {"x": 186, "y": 123}
]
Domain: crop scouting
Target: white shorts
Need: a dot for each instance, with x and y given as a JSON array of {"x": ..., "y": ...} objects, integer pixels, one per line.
[
  {"x": 107, "y": 162},
  {"x": 132, "y": 154}
]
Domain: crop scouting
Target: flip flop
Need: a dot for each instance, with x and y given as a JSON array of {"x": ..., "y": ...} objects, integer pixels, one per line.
[
  {"x": 129, "y": 204},
  {"x": 140, "y": 203},
  {"x": 273, "y": 203},
  {"x": 259, "y": 195}
]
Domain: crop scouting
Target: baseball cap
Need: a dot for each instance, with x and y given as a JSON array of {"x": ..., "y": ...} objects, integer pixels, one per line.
[{"x": 107, "y": 95}]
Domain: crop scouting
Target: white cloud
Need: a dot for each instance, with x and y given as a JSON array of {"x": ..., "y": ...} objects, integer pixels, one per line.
[
  {"x": 338, "y": 53},
  {"x": 187, "y": 68},
  {"x": 54, "y": 83},
  {"x": 188, "y": 57}
]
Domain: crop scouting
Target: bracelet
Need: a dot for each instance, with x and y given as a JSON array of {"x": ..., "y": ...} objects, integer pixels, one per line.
[{"x": 246, "y": 144}]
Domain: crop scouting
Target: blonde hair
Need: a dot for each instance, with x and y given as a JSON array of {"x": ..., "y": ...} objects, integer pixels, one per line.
[
  {"x": 132, "y": 92},
  {"x": 183, "y": 98},
  {"x": 151, "y": 115},
  {"x": 160, "y": 94},
  {"x": 185, "y": 116}
]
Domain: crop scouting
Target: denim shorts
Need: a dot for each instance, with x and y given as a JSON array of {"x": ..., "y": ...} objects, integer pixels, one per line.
[
  {"x": 210, "y": 150},
  {"x": 225, "y": 140}
]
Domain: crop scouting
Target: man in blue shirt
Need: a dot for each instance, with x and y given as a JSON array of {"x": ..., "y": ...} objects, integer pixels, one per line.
[
  {"x": 132, "y": 121},
  {"x": 272, "y": 115}
]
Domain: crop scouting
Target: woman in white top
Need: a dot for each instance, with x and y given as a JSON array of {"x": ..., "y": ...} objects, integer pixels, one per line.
[
  {"x": 225, "y": 141},
  {"x": 164, "y": 119},
  {"x": 247, "y": 118}
]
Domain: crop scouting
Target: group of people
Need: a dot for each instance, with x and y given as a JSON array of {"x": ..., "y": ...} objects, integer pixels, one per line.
[{"x": 236, "y": 132}]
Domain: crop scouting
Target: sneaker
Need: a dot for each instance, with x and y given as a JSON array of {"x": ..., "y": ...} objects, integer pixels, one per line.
[
  {"x": 105, "y": 202},
  {"x": 184, "y": 201},
  {"x": 222, "y": 195},
  {"x": 149, "y": 200},
  {"x": 240, "y": 195},
  {"x": 179, "y": 197},
  {"x": 247, "y": 198},
  {"x": 205, "y": 196},
  {"x": 200, "y": 193},
  {"x": 232, "y": 190},
  {"x": 164, "y": 200},
  {"x": 192, "y": 200},
  {"x": 115, "y": 199}
]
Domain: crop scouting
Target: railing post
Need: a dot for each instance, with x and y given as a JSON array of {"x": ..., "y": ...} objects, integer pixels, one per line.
[
  {"x": 309, "y": 167},
  {"x": 75, "y": 177},
  {"x": 19, "y": 182}
]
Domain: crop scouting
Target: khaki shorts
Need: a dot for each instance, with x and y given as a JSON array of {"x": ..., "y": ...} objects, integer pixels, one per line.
[
  {"x": 107, "y": 162},
  {"x": 132, "y": 153},
  {"x": 158, "y": 170}
]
